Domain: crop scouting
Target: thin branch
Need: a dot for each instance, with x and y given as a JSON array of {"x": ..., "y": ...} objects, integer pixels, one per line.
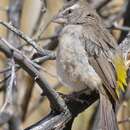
[
  {"x": 41, "y": 30},
  {"x": 55, "y": 100},
  {"x": 76, "y": 105},
  {"x": 37, "y": 60},
  {"x": 123, "y": 28},
  {"x": 7, "y": 110},
  {"x": 8, "y": 76},
  {"x": 125, "y": 46},
  {"x": 26, "y": 38},
  {"x": 40, "y": 17},
  {"x": 124, "y": 121},
  {"x": 9, "y": 98},
  {"x": 5, "y": 70},
  {"x": 40, "y": 101}
]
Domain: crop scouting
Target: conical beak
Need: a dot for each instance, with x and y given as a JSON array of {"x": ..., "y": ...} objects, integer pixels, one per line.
[{"x": 59, "y": 19}]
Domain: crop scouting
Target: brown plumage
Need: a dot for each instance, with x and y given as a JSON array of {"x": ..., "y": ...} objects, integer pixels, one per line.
[{"x": 87, "y": 57}]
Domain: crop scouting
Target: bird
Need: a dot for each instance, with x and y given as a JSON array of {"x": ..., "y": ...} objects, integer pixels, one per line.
[{"x": 88, "y": 57}]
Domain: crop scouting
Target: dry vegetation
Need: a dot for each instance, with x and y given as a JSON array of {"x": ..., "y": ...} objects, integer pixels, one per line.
[{"x": 28, "y": 42}]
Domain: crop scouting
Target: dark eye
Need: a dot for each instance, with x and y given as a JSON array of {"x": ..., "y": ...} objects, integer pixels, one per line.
[
  {"x": 89, "y": 15},
  {"x": 69, "y": 11}
]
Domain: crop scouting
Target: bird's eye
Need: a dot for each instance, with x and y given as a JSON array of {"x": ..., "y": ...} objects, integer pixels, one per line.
[
  {"x": 89, "y": 15},
  {"x": 69, "y": 11}
]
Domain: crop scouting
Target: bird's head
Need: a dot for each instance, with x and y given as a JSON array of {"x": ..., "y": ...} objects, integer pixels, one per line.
[{"x": 77, "y": 13}]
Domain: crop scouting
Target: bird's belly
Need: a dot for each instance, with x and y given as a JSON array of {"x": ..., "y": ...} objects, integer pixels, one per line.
[
  {"x": 74, "y": 70},
  {"x": 69, "y": 77}
]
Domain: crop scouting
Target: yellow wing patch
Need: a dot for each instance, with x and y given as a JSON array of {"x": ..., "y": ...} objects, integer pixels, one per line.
[{"x": 120, "y": 69}]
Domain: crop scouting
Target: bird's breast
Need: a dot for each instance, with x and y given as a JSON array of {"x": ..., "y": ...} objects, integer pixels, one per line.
[
  {"x": 71, "y": 56},
  {"x": 73, "y": 68}
]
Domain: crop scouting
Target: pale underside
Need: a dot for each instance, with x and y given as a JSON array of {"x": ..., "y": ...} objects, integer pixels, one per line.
[{"x": 73, "y": 67}]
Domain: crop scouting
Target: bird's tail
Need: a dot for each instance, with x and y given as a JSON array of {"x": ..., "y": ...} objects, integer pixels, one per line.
[{"x": 107, "y": 117}]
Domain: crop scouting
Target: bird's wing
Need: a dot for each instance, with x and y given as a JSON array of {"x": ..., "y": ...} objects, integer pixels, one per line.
[
  {"x": 98, "y": 58},
  {"x": 100, "y": 36}
]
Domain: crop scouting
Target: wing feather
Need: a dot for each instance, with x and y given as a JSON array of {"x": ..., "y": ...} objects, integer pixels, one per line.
[{"x": 98, "y": 58}]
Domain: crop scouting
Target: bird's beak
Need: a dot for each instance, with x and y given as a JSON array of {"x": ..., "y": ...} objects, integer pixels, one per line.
[{"x": 59, "y": 19}]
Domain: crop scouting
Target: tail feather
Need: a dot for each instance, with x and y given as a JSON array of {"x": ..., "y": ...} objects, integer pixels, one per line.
[{"x": 107, "y": 115}]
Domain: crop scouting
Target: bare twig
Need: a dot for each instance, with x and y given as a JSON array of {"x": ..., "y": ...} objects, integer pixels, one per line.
[
  {"x": 125, "y": 46},
  {"x": 40, "y": 17},
  {"x": 8, "y": 76},
  {"x": 26, "y": 64},
  {"x": 40, "y": 100},
  {"x": 13, "y": 15},
  {"x": 123, "y": 28},
  {"x": 5, "y": 70},
  {"x": 7, "y": 110},
  {"x": 41, "y": 30},
  {"x": 26, "y": 38},
  {"x": 58, "y": 122},
  {"x": 35, "y": 60},
  {"x": 124, "y": 121},
  {"x": 9, "y": 98}
]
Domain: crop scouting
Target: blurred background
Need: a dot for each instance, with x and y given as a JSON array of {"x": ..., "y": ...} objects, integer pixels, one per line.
[{"x": 35, "y": 16}]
